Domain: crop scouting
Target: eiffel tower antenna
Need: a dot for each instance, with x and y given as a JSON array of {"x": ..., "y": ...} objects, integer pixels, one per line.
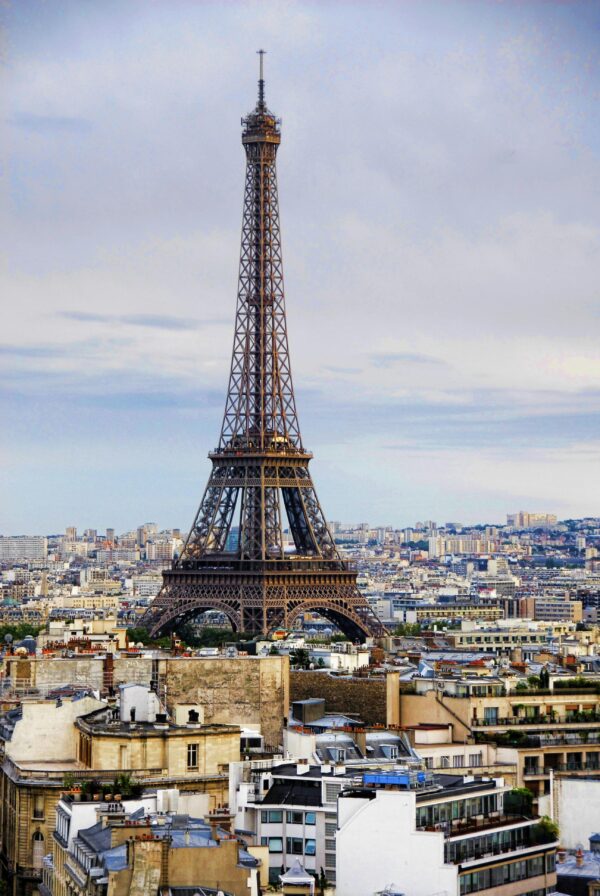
[
  {"x": 261, "y": 79},
  {"x": 259, "y": 549}
]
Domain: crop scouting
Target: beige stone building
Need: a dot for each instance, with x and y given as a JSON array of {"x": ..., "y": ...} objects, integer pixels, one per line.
[
  {"x": 536, "y": 730},
  {"x": 130, "y": 848},
  {"x": 245, "y": 690},
  {"x": 49, "y": 745}
]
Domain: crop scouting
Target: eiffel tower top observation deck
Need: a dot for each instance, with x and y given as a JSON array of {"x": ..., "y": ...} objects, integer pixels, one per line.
[
  {"x": 260, "y": 549},
  {"x": 260, "y": 411}
]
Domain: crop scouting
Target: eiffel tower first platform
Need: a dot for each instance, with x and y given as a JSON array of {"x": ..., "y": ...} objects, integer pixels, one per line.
[{"x": 236, "y": 559}]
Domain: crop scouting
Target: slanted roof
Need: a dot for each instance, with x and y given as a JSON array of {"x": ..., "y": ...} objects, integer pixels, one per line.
[
  {"x": 297, "y": 876},
  {"x": 293, "y": 793}
]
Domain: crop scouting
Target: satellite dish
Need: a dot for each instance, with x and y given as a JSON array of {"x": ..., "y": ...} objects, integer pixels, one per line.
[{"x": 8, "y": 639}]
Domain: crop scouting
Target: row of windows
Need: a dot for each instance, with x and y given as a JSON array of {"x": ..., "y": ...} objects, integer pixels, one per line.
[
  {"x": 496, "y": 842},
  {"x": 294, "y": 846},
  {"x": 273, "y": 816},
  {"x": 504, "y": 874},
  {"x": 438, "y": 812},
  {"x": 474, "y": 760}
]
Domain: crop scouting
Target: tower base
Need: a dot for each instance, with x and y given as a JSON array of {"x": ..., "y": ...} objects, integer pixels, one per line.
[{"x": 260, "y": 603}]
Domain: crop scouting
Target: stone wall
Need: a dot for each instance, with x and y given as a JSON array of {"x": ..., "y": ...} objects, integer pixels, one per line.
[
  {"x": 248, "y": 691},
  {"x": 371, "y": 699}
]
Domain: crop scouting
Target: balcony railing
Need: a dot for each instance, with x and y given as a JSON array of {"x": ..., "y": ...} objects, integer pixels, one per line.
[
  {"x": 561, "y": 767},
  {"x": 516, "y": 721},
  {"x": 458, "y": 827}
]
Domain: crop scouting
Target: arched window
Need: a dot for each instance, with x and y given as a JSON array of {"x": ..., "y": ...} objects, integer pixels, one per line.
[{"x": 38, "y": 849}]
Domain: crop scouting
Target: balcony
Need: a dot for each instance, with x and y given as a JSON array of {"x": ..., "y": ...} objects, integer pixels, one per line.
[
  {"x": 458, "y": 827},
  {"x": 573, "y": 722}
]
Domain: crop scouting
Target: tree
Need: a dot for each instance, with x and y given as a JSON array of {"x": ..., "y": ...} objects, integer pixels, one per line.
[
  {"x": 408, "y": 629},
  {"x": 322, "y": 882},
  {"x": 518, "y": 801},
  {"x": 300, "y": 658},
  {"x": 544, "y": 678}
]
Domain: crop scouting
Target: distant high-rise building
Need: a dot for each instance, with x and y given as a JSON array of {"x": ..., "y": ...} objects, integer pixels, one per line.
[
  {"x": 23, "y": 547},
  {"x": 110, "y": 535},
  {"x": 525, "y": 520},
  {"x": 71, "y": 533}
]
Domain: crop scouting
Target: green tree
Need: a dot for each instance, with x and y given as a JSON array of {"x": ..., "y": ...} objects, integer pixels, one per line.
[
  {"x": 300, "y": 658},
  {"x": 408, "y": 629},
  {"x": 518, "y": 801}
]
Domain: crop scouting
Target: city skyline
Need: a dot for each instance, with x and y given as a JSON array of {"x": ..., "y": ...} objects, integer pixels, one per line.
[{"x": 454, "y": 256}]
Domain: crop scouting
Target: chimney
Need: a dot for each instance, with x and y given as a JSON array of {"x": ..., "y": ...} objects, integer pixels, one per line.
[
  {"x": 302, "y": 768},
  {"x": 579, "y": 857},
  {"x": 360, "y": 739}
]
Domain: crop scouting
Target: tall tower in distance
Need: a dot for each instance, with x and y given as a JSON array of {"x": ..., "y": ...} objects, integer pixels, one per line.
[{"x": 236, "y": 558}]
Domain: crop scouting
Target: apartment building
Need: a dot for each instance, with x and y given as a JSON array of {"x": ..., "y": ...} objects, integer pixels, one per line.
[
  {"x": 418, "y": 833},
  {"x": 49, "y": 744},
  {"x": 23, "y": 547},
  {"x": 540, "y": 731},
  {"x": 131, "y": 849}
]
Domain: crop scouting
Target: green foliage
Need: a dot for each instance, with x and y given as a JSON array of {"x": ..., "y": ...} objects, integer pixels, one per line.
[
  {"x": 408, "y": 629},
  {"x": 19, "y": 630},
  {"x": 322, "y": 882},
  {"x": 518, "y": 801},
  {"x": 300, "y": 658},
  {"x": 273, "y": 651},
  {"x": 545, "y": 831},
  {"x": 577, "y": 684},
  {"x": 141, "y": 635}
]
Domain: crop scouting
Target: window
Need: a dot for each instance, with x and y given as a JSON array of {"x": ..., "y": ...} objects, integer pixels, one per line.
[
  {"x": 294, "y": 817},
  {"x": 429, "y": 762},
  {"x": 490, "y": 714},
  {"x": 273, "y": 816},
  {"x": 293, "y": 846},
  {"x": 331, "y": 792},
  {"x": 458, "y": 761},
  {"x": 310, "y": 847},
  {"x": 38, "y": 806},
  {"x": 330, "y": 828},
  {"x": 275, "y": 844},
  {"x": 310, "y": 818},
  {"x": 444, "y": 762},
  {"x": 330, "y": 845},
  {"x": 192, "y": 756},
  {"x": 475, "y": 759},
  {"x": 38, "y": 849}
]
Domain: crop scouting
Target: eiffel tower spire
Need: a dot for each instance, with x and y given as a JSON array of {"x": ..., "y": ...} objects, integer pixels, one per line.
[{"x": 237, "y": 557}]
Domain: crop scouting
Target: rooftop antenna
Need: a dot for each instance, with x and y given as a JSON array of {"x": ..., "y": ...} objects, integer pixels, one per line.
[{"x": 261, "y": 80}]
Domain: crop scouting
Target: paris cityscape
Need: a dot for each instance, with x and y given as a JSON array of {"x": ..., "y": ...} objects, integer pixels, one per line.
[{"x": 258, "y": 692}]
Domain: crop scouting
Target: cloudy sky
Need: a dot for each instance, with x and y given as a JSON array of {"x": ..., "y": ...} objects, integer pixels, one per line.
[{"x": 440, "y": 196}]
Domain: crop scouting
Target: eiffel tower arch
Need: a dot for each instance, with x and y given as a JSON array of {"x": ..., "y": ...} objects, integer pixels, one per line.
[{"x": 236, "y": 558}]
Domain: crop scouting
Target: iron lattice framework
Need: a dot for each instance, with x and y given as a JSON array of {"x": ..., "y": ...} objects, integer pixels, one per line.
[{"x": 236, "y": 558}]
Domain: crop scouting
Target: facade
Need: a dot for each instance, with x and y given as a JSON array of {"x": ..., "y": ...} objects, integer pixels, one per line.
[
  {"x": 540, "y": 732},
  {"x": 424, "y": 834},
  {"x": 243, "y": 690},
  {"x": 291, "y": 807},
  {"x": 132, "y": 850},
  {"x": 23, "y": 547},
  {"x": 52, "y": 744}
]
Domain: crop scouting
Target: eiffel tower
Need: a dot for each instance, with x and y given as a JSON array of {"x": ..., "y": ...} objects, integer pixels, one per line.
[{"x": 236, "y": 559}]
